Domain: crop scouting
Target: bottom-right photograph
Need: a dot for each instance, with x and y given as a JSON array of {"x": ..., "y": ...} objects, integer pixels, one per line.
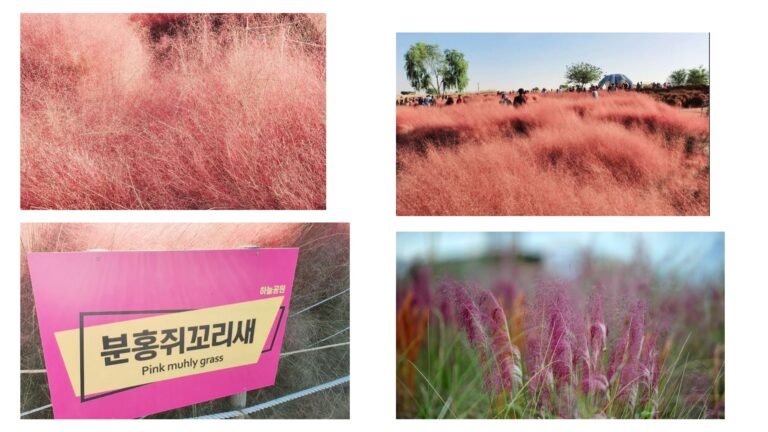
[{"x": 560, "y": 325}]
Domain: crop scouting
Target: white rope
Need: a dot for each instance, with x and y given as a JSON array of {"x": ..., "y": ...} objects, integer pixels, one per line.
[
  {"x": 281, "y": 355},
  {"x": 274, "y": 402},
  {"x": 326, "y": 338},
  {"x": 32, "y": 371},
  {"x": 319, "y": 303},
  {"x": 26, "y": 413},
  {"x": 285, "y": 354}
]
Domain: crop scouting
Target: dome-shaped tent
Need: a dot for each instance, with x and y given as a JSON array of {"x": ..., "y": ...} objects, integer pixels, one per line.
[{"x": 615, "y": 79}]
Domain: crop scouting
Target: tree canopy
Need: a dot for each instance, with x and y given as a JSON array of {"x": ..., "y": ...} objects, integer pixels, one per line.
[
  {"x": 698, "y": 76},
  {"x": 678, "y": 77},
  {"x": 693, "y": 77},
  {"x": 455, "y": 70},
  {"x": 582, "y": 73},
  {"x": 433, "y": 71}
]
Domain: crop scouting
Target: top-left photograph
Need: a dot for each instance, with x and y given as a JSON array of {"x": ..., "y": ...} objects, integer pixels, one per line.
[{"x": 173, "y": 111}]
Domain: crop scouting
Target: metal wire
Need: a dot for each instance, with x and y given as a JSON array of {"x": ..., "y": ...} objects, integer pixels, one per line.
[
  {"x": 285, "y": 354},
  {"x": 274, "y": 402},
  {"x": 331, "y": 336},
  {"x": 281, "y": 354},
  {"x": 26, "y": 413},
  {"x": 319, "y": 303}
]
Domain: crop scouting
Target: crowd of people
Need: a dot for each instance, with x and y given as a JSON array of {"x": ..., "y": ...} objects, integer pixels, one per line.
[
  {"x": 654, "y": 85},
  {"x": 431, "y": 101},
  {"x": 521, "y": 97}
]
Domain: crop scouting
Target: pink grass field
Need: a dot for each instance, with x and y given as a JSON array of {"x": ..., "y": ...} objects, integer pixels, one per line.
[
  {"x": 561, "y": 154},
  {"x": 172, "y": 111}
]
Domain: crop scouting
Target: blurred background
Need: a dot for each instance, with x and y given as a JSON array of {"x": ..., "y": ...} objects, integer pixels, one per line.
[{"x": 680, "y": 257}]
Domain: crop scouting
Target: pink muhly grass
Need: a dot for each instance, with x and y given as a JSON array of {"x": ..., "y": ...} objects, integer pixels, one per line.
[
  {"x": 562, "y": 155},
  {"x": 551, "y": 351},
  {"x": 485, "y": 325},
  {"x": 649, "y": 363},
  {"x": 469, "y": 320},
  {"x": 467, "y": 313},
  {"x": 625, "y": 364},
  {"x": 592, "y": 378},
  {"x": 592, "y": 382},
  {"x": 649, "y": 370},
  {"x": 562, "y": 359},
  {"x": 560, "y": 340},
  {"x": 631, "y": 370},
  {"x": 115, "y": 115},
  {"x": 617, "y": 357},
  {"x": 540, "y": 378},
  {"x": 598, "y": 331},
  {"x": 507, "y": 375}
]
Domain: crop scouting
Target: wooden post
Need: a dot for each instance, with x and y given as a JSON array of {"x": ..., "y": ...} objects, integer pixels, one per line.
[{"x": 238, "y": 400}]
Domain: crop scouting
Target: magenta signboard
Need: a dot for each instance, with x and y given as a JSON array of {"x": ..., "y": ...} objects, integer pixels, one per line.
[{"x": 127, "y": 334}]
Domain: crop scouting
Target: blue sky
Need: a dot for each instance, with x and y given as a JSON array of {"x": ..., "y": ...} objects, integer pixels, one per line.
[
  {"x": 504, "y": 61},
  {"x": 694, "y": 255}
]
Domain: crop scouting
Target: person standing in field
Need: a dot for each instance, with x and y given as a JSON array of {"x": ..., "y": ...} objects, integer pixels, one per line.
[
  {"x": 594, "y": 94},
  {"x": 449, "y": 101},
  {"x": 519, "y": 99}
]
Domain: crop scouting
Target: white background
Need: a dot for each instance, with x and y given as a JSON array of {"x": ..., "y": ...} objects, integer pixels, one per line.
[{"x": 361, "y": 186}]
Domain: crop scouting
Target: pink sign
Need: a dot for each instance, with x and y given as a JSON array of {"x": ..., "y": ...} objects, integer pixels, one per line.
[{"x": 127, "y": 334}]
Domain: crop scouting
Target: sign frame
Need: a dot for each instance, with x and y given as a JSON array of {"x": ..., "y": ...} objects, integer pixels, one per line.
[{"x": 211, "y": 279}]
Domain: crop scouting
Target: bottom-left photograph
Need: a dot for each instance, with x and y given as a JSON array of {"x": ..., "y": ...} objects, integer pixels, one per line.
[{"x": 184, "y": 320}]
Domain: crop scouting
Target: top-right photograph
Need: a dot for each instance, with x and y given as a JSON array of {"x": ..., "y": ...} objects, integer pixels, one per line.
[{"x": 553, "y": 124}]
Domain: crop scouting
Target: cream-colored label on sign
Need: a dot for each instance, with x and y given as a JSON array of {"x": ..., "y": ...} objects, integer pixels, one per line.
[{"x": 140, "y": 351}]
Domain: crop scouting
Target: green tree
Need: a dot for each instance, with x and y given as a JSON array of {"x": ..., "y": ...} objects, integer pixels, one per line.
[
  {"x": 455, "y": 71},
  {"x": 424, "y": 67},
  {"x": 582, "y": 73},
  {"x": 433, "y": 71},
  {"x": 698, "y": 76},
  {"x": 678, "y": 77}
]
